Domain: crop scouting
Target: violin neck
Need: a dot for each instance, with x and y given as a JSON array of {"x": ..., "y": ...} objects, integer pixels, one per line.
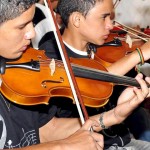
[{"x": 90, "y": 73}]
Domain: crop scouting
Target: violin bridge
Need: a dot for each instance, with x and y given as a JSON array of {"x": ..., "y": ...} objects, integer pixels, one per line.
[
  {"x": 129, "y": 41},
  {"x": 52, "y": 66}
]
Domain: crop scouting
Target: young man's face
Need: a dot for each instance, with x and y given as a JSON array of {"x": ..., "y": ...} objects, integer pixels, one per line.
[
  {"x": 97, "y": 24},
  {"x": 15, "y": 34}
]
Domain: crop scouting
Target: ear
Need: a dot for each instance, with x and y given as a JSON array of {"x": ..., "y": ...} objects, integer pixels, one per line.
[{"x": 76, "y": 19}]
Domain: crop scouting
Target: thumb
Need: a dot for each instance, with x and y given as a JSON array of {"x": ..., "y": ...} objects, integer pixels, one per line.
[{"x": 89, "y": 123}]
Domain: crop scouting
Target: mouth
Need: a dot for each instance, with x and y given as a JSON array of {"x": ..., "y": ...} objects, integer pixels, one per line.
[
  {"x": 106, "y": 36},
  {"x": 24, "y": 48}
]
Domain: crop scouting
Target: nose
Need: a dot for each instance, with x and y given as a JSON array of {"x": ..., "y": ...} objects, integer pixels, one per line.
[
  {"x": 109, "y": 24},
  {"x": 30, "y": 32}
]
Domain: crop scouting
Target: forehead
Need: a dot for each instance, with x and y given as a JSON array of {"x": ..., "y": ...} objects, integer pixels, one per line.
[
  {"x": 25, "y": 17},
  {"x": 102, "y": 7}
]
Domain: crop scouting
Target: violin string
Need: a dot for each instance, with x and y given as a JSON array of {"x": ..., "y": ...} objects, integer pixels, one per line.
[
  {"x": 75, "y": 65},
  {"x": 47, "y": 62},
  {"x": 104, "y": 73},
  {"x": 124, "y": 78}
]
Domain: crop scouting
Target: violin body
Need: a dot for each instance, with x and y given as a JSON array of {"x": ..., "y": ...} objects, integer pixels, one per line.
[
  {"x": 28, "y": 87},
  {"x": 109, "y": 54}
]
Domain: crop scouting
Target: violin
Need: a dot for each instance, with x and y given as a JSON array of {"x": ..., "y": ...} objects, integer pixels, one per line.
[
  {"x": 32, "y": 87},
  {"x": 27, "y": 86},
  {"x": 110, "y": 54},
  {"x": 146, "y": 30}
]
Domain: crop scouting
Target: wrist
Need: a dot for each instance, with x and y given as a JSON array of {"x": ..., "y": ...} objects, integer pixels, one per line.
[
  {"x": 141, "y": 58},
  {"x": 101, "y": 121}
]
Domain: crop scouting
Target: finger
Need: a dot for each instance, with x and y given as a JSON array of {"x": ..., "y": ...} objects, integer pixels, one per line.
[
  {"x": 89, "y": 124},
  {"x": 139, "y": 95},
  {"x": 98, "y": 138},
  {"x": 99, "y": 147},
  {"x": 143, "y": 85},
  {"x": 148, "y": 80}
]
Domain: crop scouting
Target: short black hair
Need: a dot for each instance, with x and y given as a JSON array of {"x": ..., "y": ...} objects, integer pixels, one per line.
[
  {"x": 10, "y": 9},
  {"x": 66, "y": 7}
]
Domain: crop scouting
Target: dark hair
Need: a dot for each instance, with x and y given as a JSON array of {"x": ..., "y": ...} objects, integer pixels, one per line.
[
  {"x": 66, "y": 7},
  {"x": 10, "y": 9}
]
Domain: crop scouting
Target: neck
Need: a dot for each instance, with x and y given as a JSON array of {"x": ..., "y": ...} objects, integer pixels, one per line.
[{"x": 76, "y": 43}]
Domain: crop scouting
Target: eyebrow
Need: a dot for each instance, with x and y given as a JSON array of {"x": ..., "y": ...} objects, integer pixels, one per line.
[
  {"x": 24, "y": 24},
  {"x": 107, "y": 14}
]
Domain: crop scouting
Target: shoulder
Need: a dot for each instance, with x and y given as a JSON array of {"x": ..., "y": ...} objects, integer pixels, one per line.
[
  {"x": 51, "y": 49},
  {"x": 49, "y": 45}
]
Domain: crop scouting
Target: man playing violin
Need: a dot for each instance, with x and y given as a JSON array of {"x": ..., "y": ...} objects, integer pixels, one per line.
[
  {"x": 36, "y": 127},
  {"x": 94, "y": 27},
  {"x": 87, "y": 22}
]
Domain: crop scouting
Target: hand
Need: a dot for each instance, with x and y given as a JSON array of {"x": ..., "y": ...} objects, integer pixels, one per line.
[
  {"x": 85, "y": 139},
  {"x": 134, "y": 94},
  {"x": 131, "y": 98}
]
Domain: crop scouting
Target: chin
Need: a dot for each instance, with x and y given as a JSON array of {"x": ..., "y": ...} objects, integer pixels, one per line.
[
  {"x": 18, "y": 55},
  {"x": 14, "y": 56},
  {"x": 100, "y": 43}
]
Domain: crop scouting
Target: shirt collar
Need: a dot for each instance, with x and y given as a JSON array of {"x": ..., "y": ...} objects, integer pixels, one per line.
[{"x": 76, "y": 50}]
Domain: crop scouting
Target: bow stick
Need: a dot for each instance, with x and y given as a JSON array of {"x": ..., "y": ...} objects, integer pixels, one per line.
[
  {"x": 67, "y": 65},
  {"x": 116, "y": 3},
  {"x": 134, "y": 31}
]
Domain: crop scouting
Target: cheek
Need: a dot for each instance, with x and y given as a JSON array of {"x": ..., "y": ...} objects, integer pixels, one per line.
[
  {"x": 13, "y": 38},
  {"x": 17, "y": 42},
  {"x": 97, "y": 28},
  {"x": 94, "y": 31},
  {"x": 10, "y": 41},
  {"x": 98, "y": 31},
  {"x": 96, "y": 35},
  {"x": 17, "y": 37},
  {"x": 10, "y": 45}
]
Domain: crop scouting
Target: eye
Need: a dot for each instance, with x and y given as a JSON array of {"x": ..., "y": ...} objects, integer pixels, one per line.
[
  {"x": 105, "y": 16},
  {"x": 21, "y": 27}
]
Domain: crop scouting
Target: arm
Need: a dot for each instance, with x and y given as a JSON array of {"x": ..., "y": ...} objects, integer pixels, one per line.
[
  {"x": 126, "y": 63},
  {"x": 127, "y": 102},
  {"x": 71, "y": 134},
  {"x": 129, "y": 61},
  {"x": 76, "y": 138},
  {"x": 53, "y": 136},
  {"x": 59, "y": 125}
]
